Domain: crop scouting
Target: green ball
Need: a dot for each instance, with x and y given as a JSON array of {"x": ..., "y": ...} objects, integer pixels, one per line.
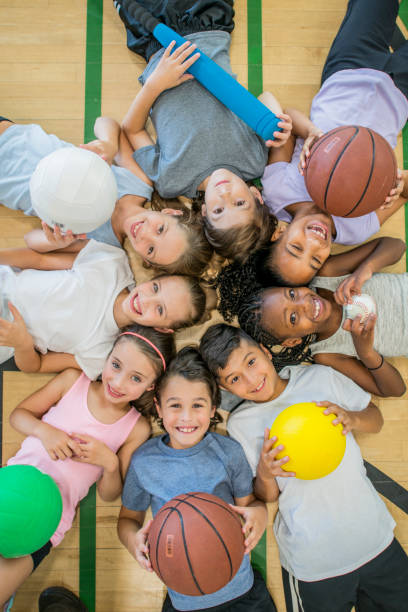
[{"x": 30, "y": 510}]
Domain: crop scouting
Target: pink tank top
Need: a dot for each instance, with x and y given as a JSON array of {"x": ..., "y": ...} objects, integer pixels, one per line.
[{"x": 73, "y": 478}]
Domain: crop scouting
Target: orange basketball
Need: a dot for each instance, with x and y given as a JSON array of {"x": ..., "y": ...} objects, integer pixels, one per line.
[
  {"x": 196, "y": 544},
  {"x": 350, "y": 171}
]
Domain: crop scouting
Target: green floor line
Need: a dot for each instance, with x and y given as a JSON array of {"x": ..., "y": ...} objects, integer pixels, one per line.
[
  {"x": 93, "y": 88},
  {"x": 255, "y": 86},
  {"x": 403, "y": 13},
  {"x": 254, "y": 28}
]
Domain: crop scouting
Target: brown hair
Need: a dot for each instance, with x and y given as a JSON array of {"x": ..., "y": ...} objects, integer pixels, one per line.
[
  {"x": 197, "y": 255},
  {"x": 190, "y": 365},
  {"x": 240, "y": 241},
  {"x": 164, "y": 344}
]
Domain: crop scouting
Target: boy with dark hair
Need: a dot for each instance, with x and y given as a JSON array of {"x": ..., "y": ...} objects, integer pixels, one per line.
[{"x": 335, "y": 535}]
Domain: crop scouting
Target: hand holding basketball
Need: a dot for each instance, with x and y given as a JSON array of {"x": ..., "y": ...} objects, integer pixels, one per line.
[
  {"x": 255, "y": 519},
  {"x": 269, "y": 466},
  {"x": 394, "y": 193},
  {"x": 314, "y": 134},
  {"x": 141, "y": 548},
  {"x": 347, "y": 418}
]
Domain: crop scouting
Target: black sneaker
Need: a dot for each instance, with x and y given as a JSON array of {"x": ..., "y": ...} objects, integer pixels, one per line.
[{"x": 60, "y": 599}]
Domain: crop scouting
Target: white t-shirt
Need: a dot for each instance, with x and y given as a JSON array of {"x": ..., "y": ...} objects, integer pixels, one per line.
[
  {"x": 329, "y": 526},
  {"x": 71, "y": 311}
]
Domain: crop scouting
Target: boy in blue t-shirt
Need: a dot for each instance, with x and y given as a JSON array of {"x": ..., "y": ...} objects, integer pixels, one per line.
[{"x": 189, "y": 458}]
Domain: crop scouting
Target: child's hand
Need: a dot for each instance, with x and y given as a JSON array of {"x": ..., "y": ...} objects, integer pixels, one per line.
[
  {"x": 103, "y": 148},
  {"x": 170, "y": 71},
  {"x": 268, "y": 465},
  {"x": 352, "y": 285},
  {"x": 15, "y": 333},
  {"x": 141, "y": 548},
  {"x": 394, "y": 193},
  {"x": 57, "y": 443},
  {"x": 59, "y": 240},
  {"x": 314, "y": 135},
  {"x": 281, "y": 137},
  {"x": 91, "y": 450},
  {"x": 346, "y": 417},
  {"x": 255, "y": 519},
  {"x": 362, "y": 334}
]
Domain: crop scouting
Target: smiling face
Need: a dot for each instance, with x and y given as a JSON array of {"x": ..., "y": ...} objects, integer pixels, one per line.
[
  {"x": 157, "y": 236},
  {"x": 249, "y": 373},
  {"x": 127, "y": 373},
  {"x": 186, "y": 410},
  {"x": 160, "y": 303},
  {"x": 302, "y": 248},
  {"x": 292, "y": 313},
  {"x": 228, "y": 200}
]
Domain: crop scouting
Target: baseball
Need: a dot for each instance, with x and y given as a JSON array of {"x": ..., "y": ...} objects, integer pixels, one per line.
[{"x": 362, "y": 305}]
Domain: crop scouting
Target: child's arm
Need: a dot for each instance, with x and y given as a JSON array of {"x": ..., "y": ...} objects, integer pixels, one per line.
[
  {"x": 52, "y": 239},
  {"x": 24, "y": 258},
  {"x": 124, "y": 158},
  {"x": 265, "y": 485},
  {"x": 362, "y": 262},
  {"x": 382, "y": 379},
  {"x": 369, "y": 420},
  {"x": 255, "y": 515},
  {"x": 107, "y": 132},
  {"x": 169, "y": 72},
  {"x": 26, "y": 417},
  {"x": 133, "y": 535},
  {"x": 114, "y": 465}
]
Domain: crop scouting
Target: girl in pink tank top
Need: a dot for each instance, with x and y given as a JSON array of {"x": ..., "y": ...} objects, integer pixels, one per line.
[{"x": 80, "y": 431}]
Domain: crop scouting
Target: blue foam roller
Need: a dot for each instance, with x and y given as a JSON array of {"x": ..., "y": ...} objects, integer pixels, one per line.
[{"x": 225, "y": 88}]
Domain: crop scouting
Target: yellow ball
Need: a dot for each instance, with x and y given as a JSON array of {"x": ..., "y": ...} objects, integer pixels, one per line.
[{"x": 314, "y": 446}]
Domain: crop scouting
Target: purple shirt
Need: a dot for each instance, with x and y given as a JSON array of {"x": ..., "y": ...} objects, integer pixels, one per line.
[{"x": 364, "y": 97}]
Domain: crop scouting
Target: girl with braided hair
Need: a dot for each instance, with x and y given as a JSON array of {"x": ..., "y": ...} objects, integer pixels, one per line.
[{"x": 313, "y": 319}]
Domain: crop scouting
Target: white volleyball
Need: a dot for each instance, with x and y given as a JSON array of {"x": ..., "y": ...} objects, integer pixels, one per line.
[
  {"x": 73, "y": 188},
  {"x": 362, "y": 305}
]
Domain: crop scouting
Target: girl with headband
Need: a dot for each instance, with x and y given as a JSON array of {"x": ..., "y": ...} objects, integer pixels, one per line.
[
  {"x": 81, "y": 432},
  {"x": 68, "y": 310}
]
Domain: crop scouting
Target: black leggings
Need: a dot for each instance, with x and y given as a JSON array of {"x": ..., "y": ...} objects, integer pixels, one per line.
[
  {"x": 184, "y": 16},
  {"x": 363, "y": 41}
]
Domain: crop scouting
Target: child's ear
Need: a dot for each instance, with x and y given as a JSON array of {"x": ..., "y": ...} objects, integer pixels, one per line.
[
  {"x": 291, "y": 342},
  {"x": 146, "y": 264},
  {"x": 255, "y": 192},
  {"x": 172, "y": 211},
  {"x": 281, "y": 229},
  {"x": 266, "y": 351},
  {"x": 203, "y": 210},
  {"x": 213, "y": 409},
  {"x": 164, "y": 330},
  {"x": 152, "y": 386}
]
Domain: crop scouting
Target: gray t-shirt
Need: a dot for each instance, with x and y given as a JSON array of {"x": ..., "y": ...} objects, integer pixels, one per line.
[
  {"x": 329, "y": 526},
  {"x": 216, "y": 465},
  {"x": 390, "y": 293},
  {"x": 196, "y": 134}
]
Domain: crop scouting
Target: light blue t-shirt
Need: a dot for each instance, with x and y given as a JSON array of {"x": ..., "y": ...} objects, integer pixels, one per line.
[
  {"x": 216, "y": 465},
  {"x": 22, "y": 147}
]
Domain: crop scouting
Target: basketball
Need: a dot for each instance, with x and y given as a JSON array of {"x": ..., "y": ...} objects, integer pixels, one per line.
[
  {"x": 74, "y": 189},
  {"x": 350, "y": 171},
  {"x": 196, "y": 544},
  {"x": 30, "y": 510},
  {"x": 314, "y": 446}
]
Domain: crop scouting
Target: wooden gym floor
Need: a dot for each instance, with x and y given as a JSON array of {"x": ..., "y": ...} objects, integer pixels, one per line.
[{"x": 62, "y": 64}]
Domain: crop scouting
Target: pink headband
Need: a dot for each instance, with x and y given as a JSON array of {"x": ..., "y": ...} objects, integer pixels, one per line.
[{"x": 154, "y": 347}]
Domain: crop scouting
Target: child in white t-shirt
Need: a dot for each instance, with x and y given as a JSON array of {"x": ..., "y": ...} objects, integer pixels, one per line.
[{"x": 335, "y": 535}]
